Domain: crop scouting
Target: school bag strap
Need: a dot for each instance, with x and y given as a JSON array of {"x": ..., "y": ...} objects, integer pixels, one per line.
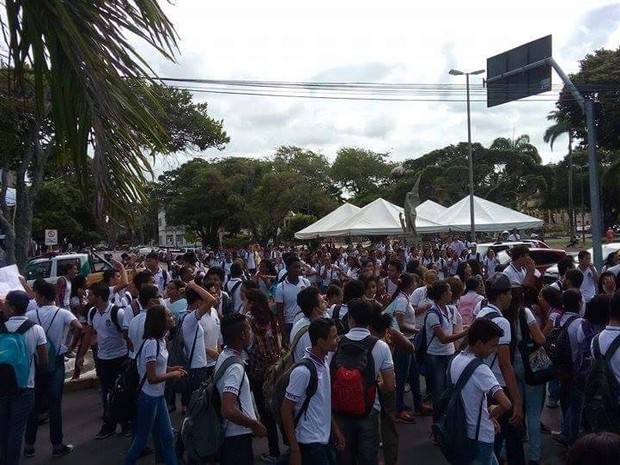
[
  {"x": 25, "y": 326},
  {"x": 611, "y": 350},
  {"x": 336, "y": 312},
  {"x": 143, "y": 380},
  {"x": 466, "y": 374},
  {"x": 313, "y": 384},
  {"x": 303, "y": 330},
  {"x": 113, "y": 316},
  {"x": 433, "y": 335},
  {"x": 51, "y": 322},
  {"x": 226, "y": 364}
]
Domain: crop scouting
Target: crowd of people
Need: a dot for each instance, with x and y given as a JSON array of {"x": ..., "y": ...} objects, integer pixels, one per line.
[{"x": 355, "y": 328}]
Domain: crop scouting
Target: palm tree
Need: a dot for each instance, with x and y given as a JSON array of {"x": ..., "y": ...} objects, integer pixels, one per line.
[
  {"x": 562, "y": 126},
  {"x": 78, "y": 87}
]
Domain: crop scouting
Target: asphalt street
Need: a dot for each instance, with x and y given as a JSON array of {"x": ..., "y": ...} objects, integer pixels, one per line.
[{"x": 82, "y": 413}]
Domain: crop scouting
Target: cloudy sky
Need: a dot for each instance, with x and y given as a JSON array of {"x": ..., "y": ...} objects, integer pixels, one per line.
[{"x": 394, "y": 42}]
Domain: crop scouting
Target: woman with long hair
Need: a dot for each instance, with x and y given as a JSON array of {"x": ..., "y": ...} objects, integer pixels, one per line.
[
  {"x": 264, "y": 353},
  {"x": 153, "y": 370}
]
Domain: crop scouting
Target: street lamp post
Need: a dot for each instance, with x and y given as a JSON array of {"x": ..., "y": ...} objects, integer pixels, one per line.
[
  {"x": 583, "y": 223},
  {"x": 455, "y": 72}
]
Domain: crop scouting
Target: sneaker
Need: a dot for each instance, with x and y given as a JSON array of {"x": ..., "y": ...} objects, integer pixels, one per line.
[
  {"x": 404, "y": 417},
  {"x": 64, "y": 449},
  {"x": 106, "y": 431},
  {"x": 552, "y": 404},
  {"x": 28, "y": 451},
  {"x": 268, "y": 458}
]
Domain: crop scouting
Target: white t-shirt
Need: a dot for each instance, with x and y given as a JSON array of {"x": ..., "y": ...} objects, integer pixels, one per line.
[
  {"x": 605, "y": 338},
  {"x": 491, "y": 361},
  {"x": 515, "y": 275},
  {"x": 330, "y": 274},
  {"x": 474, "y": 393},
  {"x": 128, "y": 314},
  {"x": 192, "y": 330},
  {"x": 35, "y": 337},
  {"x": 55, "y": 325},
  {"x": 135, "y": 332},
  {"x": 304, "y": 342},
  {"x": 381, "y": 354},
  {"x": 342, "y": 313},
  {"x": 447, "y": 321},
  {"x": 149, "y": 354},
  {"x": 490, "y": 264},
  {"x": 588, "y": 286},
  {"x": 234, "y": 283},
  {"x": 417, "y": 298},
  {"x": 110, "y": 341},
  {"x": 402, "y": 305},
  {"x": 312, "y": 426},
  {"x": 210, "y": 323},
  {"x": 286, "y": 294},
  {"x": 235, "y": 381}
]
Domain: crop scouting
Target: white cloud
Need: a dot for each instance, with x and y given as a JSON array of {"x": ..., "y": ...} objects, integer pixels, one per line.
[{"x": 391, "y": 42}]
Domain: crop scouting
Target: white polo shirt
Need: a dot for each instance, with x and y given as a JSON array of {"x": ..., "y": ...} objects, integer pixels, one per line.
[
  {"x": 515, "y": 275},
  {"x": 193, "y": 330},
  {"x": 160, "y": 280},
  {"x": 481, "y": 384},
  {"x": 312, "y": 426},
  {"x": 491, "y": 361},
  {"x": 151, "y": 353},
  {"x": 304, "y": 342},
  {"x": 210, "y": 323},
  {"x": 35, "y": 337},
  {"x": 286, "y": 294},
  {"x": 417, "y": 298},
  {"x": 447, "y": 321},
  {"x": 56, "y": 327},
  {"x": 136, "y": 331},
  {"x": 588, "y": 286},
  {"x": 235, "y": 296},
  {"x": 235, "y": 381},
  {"x": 110, "y": 341}
]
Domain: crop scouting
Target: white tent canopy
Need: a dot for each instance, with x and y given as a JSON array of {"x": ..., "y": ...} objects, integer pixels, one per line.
[
  {"x": 321, "y": 227},
  {"x": 488, "y": 216},
  {"x": 375, "y": 219}
]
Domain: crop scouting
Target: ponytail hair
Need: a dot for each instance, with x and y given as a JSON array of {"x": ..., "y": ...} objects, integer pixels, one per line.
[{"x": 405, "y": 281}]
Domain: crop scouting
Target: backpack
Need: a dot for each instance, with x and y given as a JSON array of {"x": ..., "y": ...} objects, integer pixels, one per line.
[
  {"x": 202, "y": 429},
  {"x": 585, "y": 360},
  {"x": 122, "y": 403},
  {"x": 113, "y": 316},
  {"x": 279, "y": 392},
  {"x": 177, "y": 356},
  {"x": 264, "y": 353},
  {"x": 354, "y": 383},
  {"x": 14, "y": 359},
  {"x": 272, "y": 290},
  {"x": 537, "y": 366},
  {"x": 275, "y": 372},
  {"x": 559, "y": 350},
  {"x": 450, "y": 422},
  {"x": 342, "y": 324},
  {"x": 52, "y": 351},
  {"x": 601, "y": 411},
  {"x": 229, "y": 304},
  {"x": 420, "y": 342}
]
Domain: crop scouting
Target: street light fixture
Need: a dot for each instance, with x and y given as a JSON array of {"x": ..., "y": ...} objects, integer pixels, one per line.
[{"x": 456, "y": 72}]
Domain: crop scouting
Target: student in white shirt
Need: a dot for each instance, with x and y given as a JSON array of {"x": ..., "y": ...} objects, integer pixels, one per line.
[
  {"x": 49, "y": 383},
  {"x": 233, "y": 287},
  {"x": 14, "y": 408},
  {"x": 153, "y": 371},
  {"x": 522, "y": 269},
  {"x": 482, "y": 387},
  {"x": 308, "y": 437},
  {"x": 590, "y": 275},
  {"x": 286, "y": 296},
  {"x": 313, "y": 307},
  {"x": 149, "y": 296},
  {"x": 238, "y": 416},
  {"x": 609, "y": 335},
  {"x": 161, "y": 276}
]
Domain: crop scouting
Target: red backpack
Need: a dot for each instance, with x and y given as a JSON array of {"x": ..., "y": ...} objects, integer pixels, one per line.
[{"x": 354, "y": 383}]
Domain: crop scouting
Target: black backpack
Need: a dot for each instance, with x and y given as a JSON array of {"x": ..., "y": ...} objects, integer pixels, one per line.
[
  {"x": 279, "y": 391},
  {"x": 122, "y": 403},
  {"x": 420, "y": 342},
  {"x": 559, "y": 349},
  {"x": 450, "y": 420},
  {"x": 601, "y": 411},
  {"x": 177, "y": 356},
  {"x": 342, "y": 324},
  {"x": 229, "y": 304},
  {"x": 353, "y": 379}
]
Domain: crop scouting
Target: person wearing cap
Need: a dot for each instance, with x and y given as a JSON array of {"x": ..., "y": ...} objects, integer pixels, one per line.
[
  {"x": 499, "y": 295},
  {"x": 14, "y": 409},
  {"x": 522, "y": 269}
]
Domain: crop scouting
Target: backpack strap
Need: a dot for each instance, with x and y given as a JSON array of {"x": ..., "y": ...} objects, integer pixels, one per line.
[
  {"x": 114, "y": 318},
  {"x": 303, "y": 330},
  {"x": 25, "y": 326},
  {"x": 611, "y": 350},
  {"x": 310, "y": 389},
  {"x": 369, "y": 342},
  {"x": 91, "y": 315},
  {"x": 569, "y": 322},
  {"x": 143, "y": 380},
  {"x": 433, "y": 335},
  {"x": 225, "y": 365},
  {"x": 191, "y": 354},
  {"x": 467, "y": 373},
  {"x": 336, "y": 312}
]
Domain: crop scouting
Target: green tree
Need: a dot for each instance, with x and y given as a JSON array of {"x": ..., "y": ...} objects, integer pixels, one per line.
[
  {"x": 359, "y": 170},
  {"x": 71, "y": 66}
]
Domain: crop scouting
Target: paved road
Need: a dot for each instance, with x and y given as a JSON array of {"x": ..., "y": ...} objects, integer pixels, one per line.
[{"x": 82, "y": 413}]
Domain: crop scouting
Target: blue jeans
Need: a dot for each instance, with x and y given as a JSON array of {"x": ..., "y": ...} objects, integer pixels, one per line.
[
  {"x": 361, "y": 439},
  {"x": 14, "y": 412},
  {"x": 48, "y": 393},
  {"x": 152, "y": 415},
  {"x": 406, "y": 369},
  {"x": 436, "y": 367},
  {"x": 553, "y": 390},
  {"x": 533, "y": 398},
  {"x": 571, "y": 400},
  {"x": 485, "y": 456}
]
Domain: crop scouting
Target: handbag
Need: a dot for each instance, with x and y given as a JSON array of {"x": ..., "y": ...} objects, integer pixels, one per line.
[{"x": 537, "y": 364}]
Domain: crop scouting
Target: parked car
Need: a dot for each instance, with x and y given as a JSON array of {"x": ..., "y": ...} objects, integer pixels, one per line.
[
  {"x": 552, "y": 274},
  {"x": 544, "y": 259},
  {"x": 499, "y": 246},
  {"x": 49, "y": 267}
]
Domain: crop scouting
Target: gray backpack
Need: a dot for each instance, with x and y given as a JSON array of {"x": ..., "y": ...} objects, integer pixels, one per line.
[{"x": 202, "y": 430}]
